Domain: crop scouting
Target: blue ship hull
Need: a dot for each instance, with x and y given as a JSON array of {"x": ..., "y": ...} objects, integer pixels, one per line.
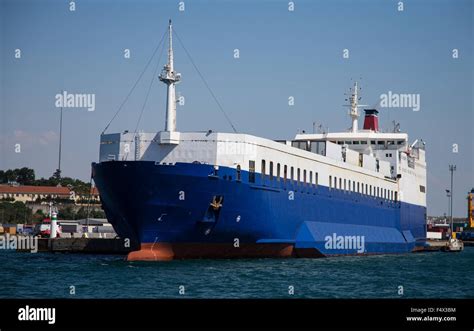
[{"x": 194, "y": 211}]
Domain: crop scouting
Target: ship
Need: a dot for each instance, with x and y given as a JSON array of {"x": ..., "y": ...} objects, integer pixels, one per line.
[{"x": 207, "y": 194}]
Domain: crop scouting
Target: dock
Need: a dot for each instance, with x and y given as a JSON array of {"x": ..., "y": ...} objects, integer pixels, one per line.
[{"x": 85, "y": 245}]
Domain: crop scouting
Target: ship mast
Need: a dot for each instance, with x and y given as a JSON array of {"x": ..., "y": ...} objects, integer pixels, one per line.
[
  {"x": 354, "y": 107},
  {"x": 354, "y": 111},
  {"x": 170, "y": 78}
]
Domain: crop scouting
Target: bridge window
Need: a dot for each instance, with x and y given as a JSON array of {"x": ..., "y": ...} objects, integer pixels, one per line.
[
  {"x": 239, "y": 174},
  {"x": 271, "y": 170},
  {"x": 252, "y": 171}
]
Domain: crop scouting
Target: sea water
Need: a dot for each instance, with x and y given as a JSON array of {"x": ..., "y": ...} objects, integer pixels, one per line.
[{"x": 61, "y": 275}]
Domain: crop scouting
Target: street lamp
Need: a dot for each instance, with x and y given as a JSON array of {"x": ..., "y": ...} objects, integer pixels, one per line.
[
  {"x": 452, "y": 169},
  {"x": 448, "y": 194}
]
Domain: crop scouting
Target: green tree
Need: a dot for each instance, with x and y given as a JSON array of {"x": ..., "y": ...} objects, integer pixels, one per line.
[
  {"x": 66, "y": 213},
  {"x": 25, "y": 176},
  {"x": 16, "y": 212}
]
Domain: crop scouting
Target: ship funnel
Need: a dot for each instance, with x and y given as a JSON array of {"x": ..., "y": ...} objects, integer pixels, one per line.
[{"x": 371, "y": 120}]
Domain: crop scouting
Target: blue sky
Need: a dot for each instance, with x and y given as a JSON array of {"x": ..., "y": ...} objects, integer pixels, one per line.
[{"x": 282, "y": 54}]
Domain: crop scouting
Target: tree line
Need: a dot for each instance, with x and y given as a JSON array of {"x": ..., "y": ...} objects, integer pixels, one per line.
[
  {"x": 18, "y": 212},
  {"x": 26, "y": 176}
]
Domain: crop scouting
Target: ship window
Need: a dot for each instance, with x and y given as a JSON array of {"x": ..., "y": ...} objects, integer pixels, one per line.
[
  {"x": 372, "y": 142},
  {"x": 353, "y": 186},
  {"x": 358, "y": 188},
  {"x": 330, "y": 182},
  {"x": 239, "y": 173},
  {"x": 316, "y": 178},
  {"x": 348, "y": 142},
  {"x": 396, "y": 196},
  {"x": 292, "y": 173},
  {"x": 304, "y": 177},
  {"x": 311, "y": 177},
  {"x": 340, "y": 183},
  {"x": 318, "y": 147},
  {"x": 422, "y": 189},
  {"x": 345, "y": 187},
  {"x": 299, "y": 176},
  {"x": 263, "y": 169},
  {"x": 363, "y": 142},
  {"x": 380, "y": 142},
  {"x": 370, "y": 189},
  {"x": 335, "y": 182},
  {"x": 278, "y": 171},
  {"x": 271, "y": 170},
  {"x": 400, "y": 142},
  {"x": 366, "y": 191},
  {"x": 349, "y": 185},
  {"x": 285, "y": 172},
  {"x": 355, "y": 142},
  {"x": 252, "y": 171}
]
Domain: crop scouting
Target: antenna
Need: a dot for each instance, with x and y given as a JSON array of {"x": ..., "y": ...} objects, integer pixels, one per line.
[
  {"x": 396, "y": 127},
  {"x": 170, "y": 78},
  {"x": 354, "y": 99}
]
